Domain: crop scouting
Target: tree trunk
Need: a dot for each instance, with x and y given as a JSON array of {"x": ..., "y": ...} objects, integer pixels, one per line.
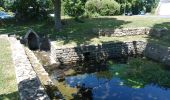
[{"x": 57, "y": 12}]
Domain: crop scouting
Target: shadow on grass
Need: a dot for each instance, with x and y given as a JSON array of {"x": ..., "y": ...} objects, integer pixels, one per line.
[
  {"x": 10, "y": 96},
  {"x": 79, "y": 33},
  {"x": 164, "y": 36},
  {"x": 82, "y": 33}
]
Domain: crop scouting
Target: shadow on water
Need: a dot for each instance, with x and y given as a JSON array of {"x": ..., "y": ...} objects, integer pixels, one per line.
[{"x": 139, "y": 77}]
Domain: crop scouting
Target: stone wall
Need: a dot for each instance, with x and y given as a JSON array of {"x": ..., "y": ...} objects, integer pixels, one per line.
[
  {"x": 131, "y": 31},
  {"x": 96, "y": 53},
  {"x": 29, "y": 85},
  {"x": 69, "y": 55},
  {"x": 158, "y": 53}
]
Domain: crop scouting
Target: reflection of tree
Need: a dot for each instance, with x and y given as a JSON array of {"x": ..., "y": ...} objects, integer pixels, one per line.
[
  {"x": 137, "y": 73},
  {"x": 104, "y": 74},
  {"x": 83, "y": 93},
  {"x": 140, "y": 72}
]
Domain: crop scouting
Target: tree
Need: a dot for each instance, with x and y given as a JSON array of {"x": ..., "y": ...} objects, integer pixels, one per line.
[
  {"x": 57, "y": 12},
  {"x": 74, "y": 8},
  {"x": 27, "y": 10}
]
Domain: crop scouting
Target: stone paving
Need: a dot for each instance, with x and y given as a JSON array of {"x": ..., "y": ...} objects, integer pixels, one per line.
[{"x": 29, "y": 85}]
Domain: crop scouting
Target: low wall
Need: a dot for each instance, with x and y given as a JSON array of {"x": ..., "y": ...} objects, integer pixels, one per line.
[
  {"x": 96, "y": 53},
  {"x": 29, "y": 85},
  {"x": 131, "y": 31},
  {"x": 69, "y": 55},
  {"x": 158, "y": 53}
]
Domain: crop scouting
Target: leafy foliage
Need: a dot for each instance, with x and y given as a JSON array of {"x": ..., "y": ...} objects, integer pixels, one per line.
[
  {"x": 2, "y": 9},
  {"x": 109, "y": 7},
  {"x": 31, "y": 9},
  {"x": 74, "y": 8},
  {"x": 102, "y": 7},
  {"x": 6, "y": 4},
  {"x": 135, "y": 6}
]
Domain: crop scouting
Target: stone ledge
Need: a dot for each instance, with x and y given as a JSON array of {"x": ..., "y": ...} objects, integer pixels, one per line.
[
  {"x": 43, "y": 75},
  {"x": 29, "y": 85},
  {"x": 131, "y": 31}
]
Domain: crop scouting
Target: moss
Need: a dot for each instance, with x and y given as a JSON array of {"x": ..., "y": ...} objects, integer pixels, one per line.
[
  {"x": 65, "y": 90},
  {"x": 140, "y": 71}
]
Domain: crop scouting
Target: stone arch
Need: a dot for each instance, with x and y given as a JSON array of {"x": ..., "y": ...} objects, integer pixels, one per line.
[{"x": 32, "y": 40}]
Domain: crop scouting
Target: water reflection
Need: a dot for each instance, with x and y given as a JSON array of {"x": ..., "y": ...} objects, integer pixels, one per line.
[
  {"x": 129, "y": 79},
  {"x": 109, "y": 89}
]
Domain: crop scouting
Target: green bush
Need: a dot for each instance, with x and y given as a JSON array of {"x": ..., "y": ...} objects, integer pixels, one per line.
[
  {"x": 102, "y": 7},
  {"x": 31, "y": 9},
  {"x": 109, "y": 8},
  {"x": 92, "y": 7},
  {"x": 74, "y": 8}
]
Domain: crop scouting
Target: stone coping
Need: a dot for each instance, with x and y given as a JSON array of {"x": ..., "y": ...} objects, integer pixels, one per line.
[{"x": 29, "y": 85}]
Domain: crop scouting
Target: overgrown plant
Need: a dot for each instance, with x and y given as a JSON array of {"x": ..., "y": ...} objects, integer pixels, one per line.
[{"x": 74, "y": 8}]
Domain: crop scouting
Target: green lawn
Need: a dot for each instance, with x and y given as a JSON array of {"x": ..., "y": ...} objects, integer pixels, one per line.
[
  {"x": 75, "y": 33},
  {"x": 8, "y": 84}
]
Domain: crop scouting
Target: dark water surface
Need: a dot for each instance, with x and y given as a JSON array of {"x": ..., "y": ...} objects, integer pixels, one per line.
[{"x": 114, "y": 88}]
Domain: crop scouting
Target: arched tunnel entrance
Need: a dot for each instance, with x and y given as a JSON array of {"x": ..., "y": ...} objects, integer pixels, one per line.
[{"x": 33, "y": 41}]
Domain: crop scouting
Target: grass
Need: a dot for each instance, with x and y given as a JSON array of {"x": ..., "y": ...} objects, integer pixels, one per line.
[
  {"x": 74, "y": 33},
  {"x": 8, "y": 84}
]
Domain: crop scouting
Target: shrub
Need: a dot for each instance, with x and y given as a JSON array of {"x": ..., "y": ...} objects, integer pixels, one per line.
[
  {"x": 102, "y": 7},
  {"x": 31, "y": 9},
  {"x": 92, "y": 7},
  {"x": 74, "y": 8},
  {"x": 109, "y": 8}
]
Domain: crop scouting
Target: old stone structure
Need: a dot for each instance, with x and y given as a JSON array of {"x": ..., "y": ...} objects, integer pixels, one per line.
[
  {"x": 32, "y": 40},
  {"x": 29, "y": 85},
  {"x": 111, "y": 50},
  {"x": 158, "y": 53},
  {"x": 131, "y": 31},
  {"x": 99, "y": 52}
]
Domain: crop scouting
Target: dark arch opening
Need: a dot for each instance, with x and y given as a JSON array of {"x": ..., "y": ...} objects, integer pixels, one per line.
[{"x": 33, "y": 41}]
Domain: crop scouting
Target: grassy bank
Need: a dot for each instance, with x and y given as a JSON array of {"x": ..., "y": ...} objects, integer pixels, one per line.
[
  {"x": 74, "y": 33},
  {"x": 8, "y": 84}
]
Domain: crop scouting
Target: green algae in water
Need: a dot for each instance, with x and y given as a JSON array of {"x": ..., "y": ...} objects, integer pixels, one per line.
[{"x": 138, "y": 79}]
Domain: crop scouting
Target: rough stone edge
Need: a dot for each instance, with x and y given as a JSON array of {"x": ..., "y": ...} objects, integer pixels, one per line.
[
  {"x": 29, "y": 85},
  {"x": 41, "y": 72},
  {"x": 38, "y": 68},
  {"x": 153, "y": 51},
  {"x": 116, "y": 32}
]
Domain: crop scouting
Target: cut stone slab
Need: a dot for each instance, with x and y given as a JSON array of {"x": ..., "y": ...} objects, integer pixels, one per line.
[{"x": 29, "y": 85}]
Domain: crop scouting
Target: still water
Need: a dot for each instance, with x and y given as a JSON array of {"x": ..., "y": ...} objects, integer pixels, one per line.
[{"x": 115, "y": 88}]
